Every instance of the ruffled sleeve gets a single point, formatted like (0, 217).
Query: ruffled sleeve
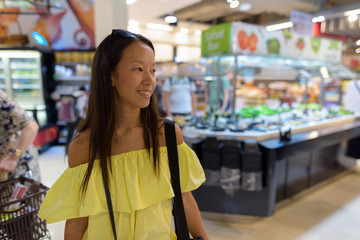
(191, 172)
(62, 200)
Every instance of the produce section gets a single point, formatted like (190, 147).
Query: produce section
(286, 130)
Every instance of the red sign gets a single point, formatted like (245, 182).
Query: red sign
(46, 136)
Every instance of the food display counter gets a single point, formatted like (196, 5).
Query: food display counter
(313, 153)
(286, 129)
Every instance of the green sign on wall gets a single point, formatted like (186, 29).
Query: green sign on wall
(216, 39)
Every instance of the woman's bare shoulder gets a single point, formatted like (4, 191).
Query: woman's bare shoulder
(79, 149)
(179, 136)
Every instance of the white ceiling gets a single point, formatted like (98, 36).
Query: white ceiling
(145, 11)
(191, 13)
(150, 10)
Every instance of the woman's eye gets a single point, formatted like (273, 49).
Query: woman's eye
(154, 70)
(138, 69)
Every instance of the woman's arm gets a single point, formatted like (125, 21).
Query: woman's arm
(193, 103)
(27, 136)
(225, 100)
(75, 228)
(193, 218)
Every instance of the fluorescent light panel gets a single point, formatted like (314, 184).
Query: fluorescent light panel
(352, 12)
(234, 4)
(279, 26)
(129, 2)
(184, 30)
(353, 18)
(161, 27)
(245, 7)
(170, 19)
(318, 19)
(197, 32)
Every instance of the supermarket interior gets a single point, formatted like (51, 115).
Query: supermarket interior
(275, 101)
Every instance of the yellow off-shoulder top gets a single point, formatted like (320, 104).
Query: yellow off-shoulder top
(141, 200)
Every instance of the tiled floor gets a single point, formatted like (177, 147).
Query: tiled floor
(331, 212)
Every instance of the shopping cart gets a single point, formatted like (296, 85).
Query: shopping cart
(22, 223)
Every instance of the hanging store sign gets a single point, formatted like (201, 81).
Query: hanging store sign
(216, 39)
(256, 40)
(302, 22)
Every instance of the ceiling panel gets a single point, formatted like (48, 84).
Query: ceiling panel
(143, 10)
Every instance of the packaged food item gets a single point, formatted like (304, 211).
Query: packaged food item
(18, 193)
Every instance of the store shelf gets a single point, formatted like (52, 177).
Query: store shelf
(26, 86)
(24, 76)
(22, 66)
(74, 78)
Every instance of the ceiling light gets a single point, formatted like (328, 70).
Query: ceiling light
(279, 26)
(352, 12)
(184, 30)
(353, 17)
(229, 1)
(133, 23)
(129, 2)
(245, 7)
(161, 27)
(358, 42)
(170, 19)
(357, 50)
(198, 32)
(318, 19)
(234, 4)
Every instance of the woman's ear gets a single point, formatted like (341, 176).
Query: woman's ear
(113, 79)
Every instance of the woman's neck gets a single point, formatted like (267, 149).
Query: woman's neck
(128, 119)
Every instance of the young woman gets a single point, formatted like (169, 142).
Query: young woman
(121, 144)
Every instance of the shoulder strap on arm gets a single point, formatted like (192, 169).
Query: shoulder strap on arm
(179, 214)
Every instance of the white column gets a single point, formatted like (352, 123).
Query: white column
(109, 14)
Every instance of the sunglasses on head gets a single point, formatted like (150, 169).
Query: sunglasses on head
(122, 33)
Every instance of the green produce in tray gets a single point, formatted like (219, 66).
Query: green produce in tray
(313, 106)
(248, 112)
(265, 110)
(341, 111)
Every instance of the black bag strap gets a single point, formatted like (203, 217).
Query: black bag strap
(181, 228)
(110, 208)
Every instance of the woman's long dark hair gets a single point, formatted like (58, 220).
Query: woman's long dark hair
(100, 118)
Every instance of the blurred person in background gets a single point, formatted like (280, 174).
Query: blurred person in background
(17, 133)
(351, 98)
(211, 93)
(179, 95)
(351, 101)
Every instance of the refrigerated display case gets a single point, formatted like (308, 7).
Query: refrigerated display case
(72, 72)
(26, 74)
